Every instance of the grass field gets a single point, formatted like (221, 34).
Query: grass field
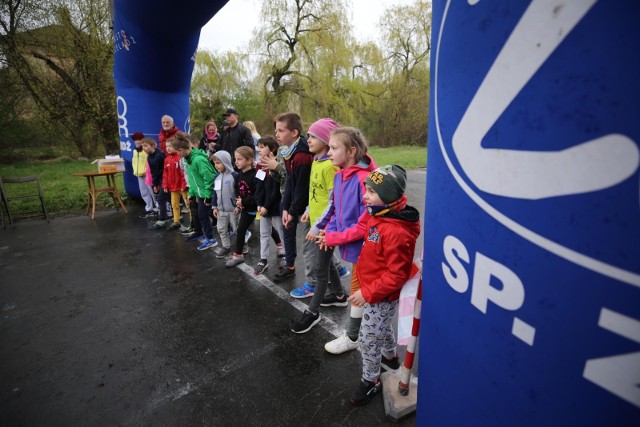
(67, 194)
(409, 157)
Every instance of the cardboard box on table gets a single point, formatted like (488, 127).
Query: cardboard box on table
(110, 164)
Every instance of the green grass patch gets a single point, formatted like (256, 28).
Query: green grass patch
(407, 156)
(63, 193)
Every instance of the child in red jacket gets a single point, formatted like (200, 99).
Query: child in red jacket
(384, 266)
(173, 182)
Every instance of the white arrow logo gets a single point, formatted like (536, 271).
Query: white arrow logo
(588, 166)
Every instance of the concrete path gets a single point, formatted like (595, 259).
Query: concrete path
(107, 323)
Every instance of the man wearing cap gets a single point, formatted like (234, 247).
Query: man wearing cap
(236, 134)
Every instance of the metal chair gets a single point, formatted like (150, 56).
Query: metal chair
(22, 194)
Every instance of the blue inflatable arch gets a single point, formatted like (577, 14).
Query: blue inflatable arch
(154, 53)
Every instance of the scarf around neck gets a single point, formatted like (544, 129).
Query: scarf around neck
(287, 152)
(380, 210)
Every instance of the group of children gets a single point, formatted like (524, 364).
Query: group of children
(324, 186)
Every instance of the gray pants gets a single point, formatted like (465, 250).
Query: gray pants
(377, 338)
(309, 253)
(147, 195)
(266, 223)
(327, 278)
(224, 219)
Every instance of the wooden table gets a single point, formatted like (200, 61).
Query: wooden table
(94, 191)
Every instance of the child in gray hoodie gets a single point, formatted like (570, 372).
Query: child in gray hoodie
(224, 200)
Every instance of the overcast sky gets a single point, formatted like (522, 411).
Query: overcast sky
(226, 30)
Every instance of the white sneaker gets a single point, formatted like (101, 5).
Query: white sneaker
(341, 345)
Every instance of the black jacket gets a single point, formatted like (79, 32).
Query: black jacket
(268, 195)
(246, 189)
(296, 191)
(205, 144)
(234, 137)
(156, 167)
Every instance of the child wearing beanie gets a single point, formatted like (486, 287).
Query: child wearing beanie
(384, 266)
(318, 213)
(319, 210)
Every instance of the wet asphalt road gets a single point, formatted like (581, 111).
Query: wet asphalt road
(107, 323)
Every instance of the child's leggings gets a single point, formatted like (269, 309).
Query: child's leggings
(376, 337)
(246, 219)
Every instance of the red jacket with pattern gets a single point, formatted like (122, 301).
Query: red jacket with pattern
(386, 260)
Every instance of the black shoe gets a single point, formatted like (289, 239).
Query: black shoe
(147, 214)
(334, 300)
(364, 392)
(188, 232)
(285, 273)
(260, 267)
(307, 321)
(390, 364)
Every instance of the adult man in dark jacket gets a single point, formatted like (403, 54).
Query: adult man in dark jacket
(236, 135)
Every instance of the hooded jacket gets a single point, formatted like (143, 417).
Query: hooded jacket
(296, 191)
(201, 174)
(348, 217)
(224, 196)
(173, 176)
(386, 260)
